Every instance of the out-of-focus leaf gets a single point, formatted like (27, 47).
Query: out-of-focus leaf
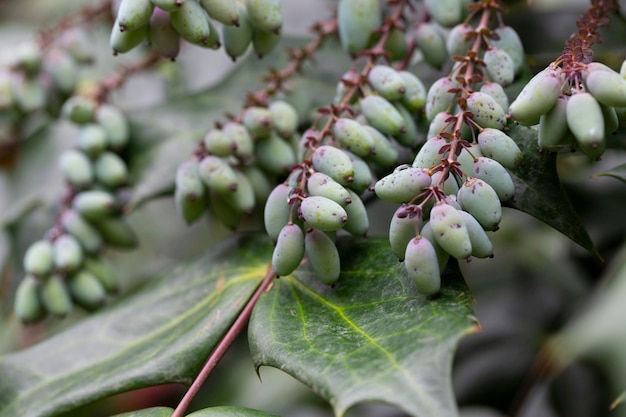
(539, 193)
(163, 334)
(230, 412)
(372, 337)
(618, 172)
(598, 335)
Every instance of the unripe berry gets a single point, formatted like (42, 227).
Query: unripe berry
(486, 111)
(28, 307)
(55, 296)
(499, 146)
(323, 214)
(289, 250)
(67, 253)
(358, 221)
(403, 185)
(353, 136)
(382, 115)
(450, 231)
(322, 255)
(421, 264)
(276, 212)
(334, 163)
(38, 259)
(480, 200)
(357, 19)
(387, 82)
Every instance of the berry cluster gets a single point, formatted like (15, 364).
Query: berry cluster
(575, 101)
(451, 194)
(164, 22)
(234, 167)
(39, 80)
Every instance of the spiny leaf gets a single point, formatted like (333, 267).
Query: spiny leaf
(539, 193)
(371, 337)
(161, 335)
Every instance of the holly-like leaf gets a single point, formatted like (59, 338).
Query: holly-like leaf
(228, 411)
(618, 172)
(370, 337)
(539, 193)
(161, 335)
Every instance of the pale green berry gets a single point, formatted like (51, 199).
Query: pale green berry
(27, 306)
(387, 82)
(449, 231)
(323, 256)
(277, 210)
(421, 264)
(323, 214)
(494, 174)
(55, 296)
(38, 259)
(402, 186)
(499, 146)
(86, 290)
(480, 200)
(289, 250)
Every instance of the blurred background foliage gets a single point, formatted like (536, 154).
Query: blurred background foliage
(536, 285)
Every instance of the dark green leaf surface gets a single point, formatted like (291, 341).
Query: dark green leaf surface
(371, 337)
(539, 193)
(618, 172)
(148, 412)
(230, 412)
(161, 335)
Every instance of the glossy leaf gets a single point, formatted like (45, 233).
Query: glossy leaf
(539, 193)
(372, 337)
(161, 335)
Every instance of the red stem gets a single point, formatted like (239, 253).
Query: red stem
(224, 344)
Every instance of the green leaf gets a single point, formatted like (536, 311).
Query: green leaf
(161, 335)
(598, 335)
(148, 412)
(370, 337)
(227, 411)
(539, 193)
(618, 172)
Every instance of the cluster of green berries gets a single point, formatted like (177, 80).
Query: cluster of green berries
(38, 81)
(573, 108)
(451, 195)
(235, 166)
(163, 23)
(66, 266)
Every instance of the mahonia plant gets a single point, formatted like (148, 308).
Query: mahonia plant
(443, 155)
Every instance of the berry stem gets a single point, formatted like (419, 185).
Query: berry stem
(84, 15)
(224, 344)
